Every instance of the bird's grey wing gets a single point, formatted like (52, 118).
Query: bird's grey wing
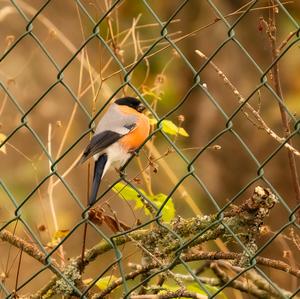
(116, 121)
(99, 142)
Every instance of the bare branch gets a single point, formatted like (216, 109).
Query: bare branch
(261, 123)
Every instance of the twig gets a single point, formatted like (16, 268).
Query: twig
(18, 271)
(286, 40)
(171, 294)
(247, 287)
(251, 212)
(119, 281)
(74, 110)
(156, 240)
(9, 250)
(263, 284)
(161, 280)
(244, 287)
(154, 258)
(2, 106)
(202, 255)
(262, 123)
(190, 257)
(190, 34)
(30, 249)
(295, 238)
(39, 294)
(193, 33)
(145, 176)
(85, 224)
(275, 264)
(50, 194)
(284, 117)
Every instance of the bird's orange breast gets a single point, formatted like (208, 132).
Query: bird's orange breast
(137, 136)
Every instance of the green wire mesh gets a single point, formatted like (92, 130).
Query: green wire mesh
(95, 35)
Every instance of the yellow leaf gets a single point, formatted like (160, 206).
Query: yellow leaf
(49, 294)
(3, 147)
(150, 93)
(87, 281)
(183, 132)
(152, 121)
(60, 234)
(56, 236)
(103, 282)
(170, 128)
(128, 193)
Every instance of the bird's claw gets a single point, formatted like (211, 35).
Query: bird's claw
(120, 171)
(134, 152)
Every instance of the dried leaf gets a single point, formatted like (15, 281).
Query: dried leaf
(87, 281)
(97, 216)
(60, 234)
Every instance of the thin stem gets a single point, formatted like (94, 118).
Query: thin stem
(145, 176)
(18, 270)
(261, 123)
(50, 195)
(284, 117)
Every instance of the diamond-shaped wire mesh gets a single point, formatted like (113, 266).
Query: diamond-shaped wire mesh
(224, 74)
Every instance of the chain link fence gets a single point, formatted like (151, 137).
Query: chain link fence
(201, 200)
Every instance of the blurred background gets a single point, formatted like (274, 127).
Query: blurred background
(57, 77)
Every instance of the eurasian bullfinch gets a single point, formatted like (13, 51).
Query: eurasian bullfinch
(122, 129)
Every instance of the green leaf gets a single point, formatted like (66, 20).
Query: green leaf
(170, 128)
(103, 282)
(128, 193)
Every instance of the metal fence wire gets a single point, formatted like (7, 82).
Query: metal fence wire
(107, 46)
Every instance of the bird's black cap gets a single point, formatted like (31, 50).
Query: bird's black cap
(131, 102)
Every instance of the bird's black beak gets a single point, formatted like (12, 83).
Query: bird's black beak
(141, 107)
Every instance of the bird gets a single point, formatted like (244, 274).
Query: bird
(121, 130)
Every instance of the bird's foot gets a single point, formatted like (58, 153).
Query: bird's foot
(120, 171)
(134, 152)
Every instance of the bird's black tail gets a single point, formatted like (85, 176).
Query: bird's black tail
(98, 172)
